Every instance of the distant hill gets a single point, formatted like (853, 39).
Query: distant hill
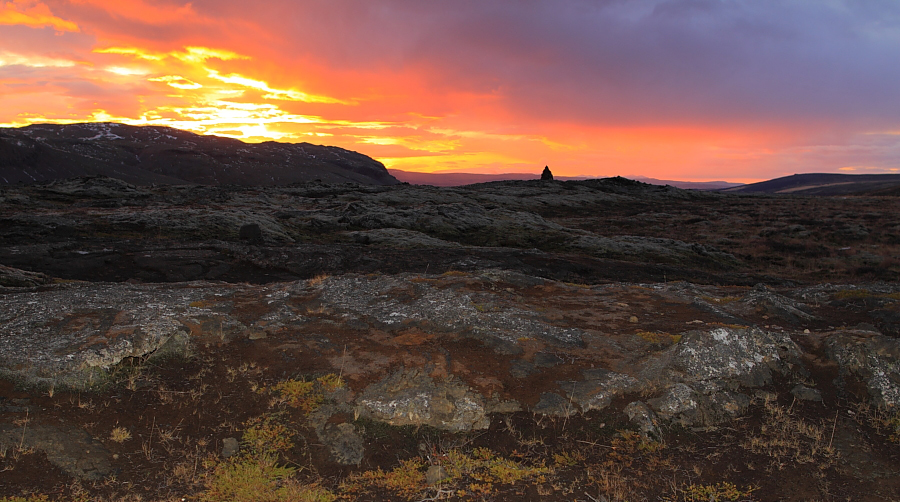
(460, 179)
(826, 184)
(688, 185)
(144, 155)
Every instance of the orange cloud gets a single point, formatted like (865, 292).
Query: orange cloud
(33, 14)
(484, 87)
(145, 12)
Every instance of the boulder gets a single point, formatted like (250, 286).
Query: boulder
(873, 358)
(744, 356)
(414, 398)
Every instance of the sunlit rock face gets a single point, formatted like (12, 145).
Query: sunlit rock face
(162, 155)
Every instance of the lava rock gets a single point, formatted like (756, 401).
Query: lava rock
(251, 233)
(414, 398)
(642, 417)
(804, 393)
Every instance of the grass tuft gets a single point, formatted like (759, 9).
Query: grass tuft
(317, 280)
(119, 435)
(719, 492)
(478, 473)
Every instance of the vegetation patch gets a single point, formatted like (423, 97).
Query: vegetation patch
(305, 395)
(719, 492)
(883, 419)
(255, 474)
(787, 439)
(659, 338)
(480, 473)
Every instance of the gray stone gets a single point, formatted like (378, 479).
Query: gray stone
(70, 448)
(519, 368)
(804, 393)
(344, 443)
(746, 356)
(864, 326)
(230, 447)
(554, 405)
(763, 300)
(725, 405)
(442, 309)
(599, 388)
(414, 398)
(15, 278)
(642, 417)
(680, 403)
(71, 334)
(871, 357)
(435, 474)
(399, 238)
(547, 360)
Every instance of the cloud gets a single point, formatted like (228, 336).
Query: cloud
(32, 14)
(683, 88)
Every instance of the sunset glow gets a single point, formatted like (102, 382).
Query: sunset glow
(675, 89)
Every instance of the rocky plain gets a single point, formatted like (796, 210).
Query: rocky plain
(523, 340)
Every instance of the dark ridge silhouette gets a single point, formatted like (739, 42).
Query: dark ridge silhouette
(826, 184)
(162, 155)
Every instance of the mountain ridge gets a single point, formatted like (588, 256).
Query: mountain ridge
(449, 179)
(145, 155)
(825, 184)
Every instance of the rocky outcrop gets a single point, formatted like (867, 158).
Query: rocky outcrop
(71, 334)
(873, 358)
(15, 278)
(746, 356)
(449, 350)
(71, 449)
(412, 398)
(179, 233)
(600, 387)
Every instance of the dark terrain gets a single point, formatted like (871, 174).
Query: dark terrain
(162, 155)
(826, 184)
(520, 340)
(450, 179)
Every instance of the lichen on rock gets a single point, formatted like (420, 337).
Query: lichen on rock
(747, 356)
(873, 358)
(414, 398)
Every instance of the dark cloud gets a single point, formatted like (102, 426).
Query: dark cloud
(622, 61)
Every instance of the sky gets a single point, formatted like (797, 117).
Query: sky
(736, 90)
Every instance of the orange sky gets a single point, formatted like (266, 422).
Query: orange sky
(674, 89)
